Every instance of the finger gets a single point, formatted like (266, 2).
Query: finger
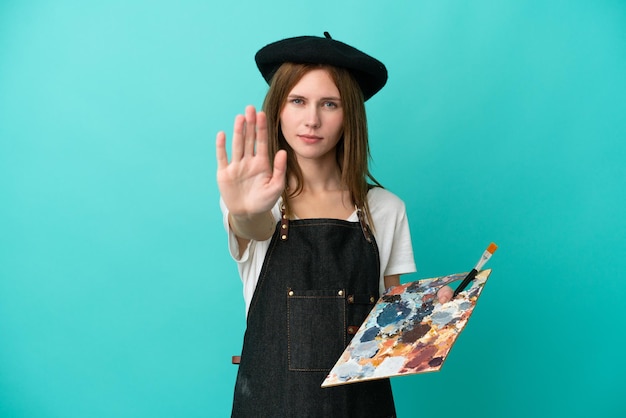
(220, 151)
(444, 294)
(250, 131)
(238, 138)
(280, 169)
(261, 135)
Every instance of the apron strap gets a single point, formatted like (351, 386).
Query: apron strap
(284, 224)
(364, 227)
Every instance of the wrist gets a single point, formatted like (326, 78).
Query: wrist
(258, 227)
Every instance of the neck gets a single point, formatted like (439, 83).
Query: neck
(319, 176)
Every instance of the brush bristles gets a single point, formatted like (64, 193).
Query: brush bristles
(492, 248)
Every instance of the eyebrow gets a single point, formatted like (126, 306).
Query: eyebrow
(298, 96)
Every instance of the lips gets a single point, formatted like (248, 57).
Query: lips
(310, 139)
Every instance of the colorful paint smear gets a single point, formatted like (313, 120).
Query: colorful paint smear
(408, 331)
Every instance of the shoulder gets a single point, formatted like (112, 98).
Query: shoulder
(385, 202)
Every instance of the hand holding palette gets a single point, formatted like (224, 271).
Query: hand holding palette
(408, 331)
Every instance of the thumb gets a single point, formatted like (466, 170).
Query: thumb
(280, 169)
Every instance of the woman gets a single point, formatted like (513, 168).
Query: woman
(315, 236)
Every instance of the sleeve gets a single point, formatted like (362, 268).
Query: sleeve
(238, 254)
(401, 258)
(391, 229)
(250, 259)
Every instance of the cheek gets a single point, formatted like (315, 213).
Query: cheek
(285, 119)
(337, 123)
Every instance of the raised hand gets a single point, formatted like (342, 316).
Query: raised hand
(248, 184)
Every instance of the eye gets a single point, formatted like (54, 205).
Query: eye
(330, 105)
(297, 101)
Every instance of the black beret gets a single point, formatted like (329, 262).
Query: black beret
(370, 74)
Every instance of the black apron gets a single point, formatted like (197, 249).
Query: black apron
(319, 281)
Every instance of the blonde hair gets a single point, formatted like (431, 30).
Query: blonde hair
(353, 152)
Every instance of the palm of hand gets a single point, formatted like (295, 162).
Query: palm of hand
(247, 183)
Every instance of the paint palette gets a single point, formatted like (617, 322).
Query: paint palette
(407, 332)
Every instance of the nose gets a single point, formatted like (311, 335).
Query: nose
(312, 117)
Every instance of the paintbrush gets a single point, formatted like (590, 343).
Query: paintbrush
(472, 274)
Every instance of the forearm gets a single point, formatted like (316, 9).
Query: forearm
(393, 280)
(258, 227)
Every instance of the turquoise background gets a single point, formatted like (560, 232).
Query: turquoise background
(502, 121)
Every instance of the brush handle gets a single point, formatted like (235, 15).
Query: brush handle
(470, 276)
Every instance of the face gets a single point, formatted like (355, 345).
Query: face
(312, 118)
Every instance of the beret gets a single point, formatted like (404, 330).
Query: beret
(369, 73)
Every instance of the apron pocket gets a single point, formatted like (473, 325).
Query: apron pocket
(316, 329)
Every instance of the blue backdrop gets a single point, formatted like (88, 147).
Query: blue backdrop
(502, 121)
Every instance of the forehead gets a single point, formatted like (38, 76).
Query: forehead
(317, 82)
